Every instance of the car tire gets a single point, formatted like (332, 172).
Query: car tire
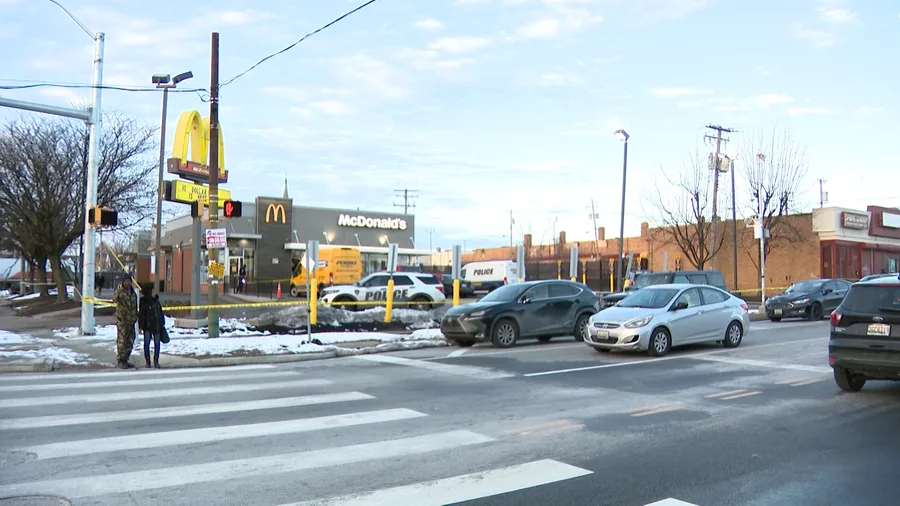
(775, 318)
(505, 333)
(419, 303)
(848, 381)
(815, 312)
(660, 342)
(464, 343)
(342, 303)
(581, 324)
(734, 334)
(545, 339)
(294, 291)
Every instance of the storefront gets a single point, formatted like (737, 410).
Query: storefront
(857, 243)
(272, 234)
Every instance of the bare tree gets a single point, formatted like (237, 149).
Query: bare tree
(775, 170)
(681, 209)
(43, 163)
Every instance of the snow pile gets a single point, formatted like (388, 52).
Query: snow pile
(10, 338)
(228, 327)
(4, 294)
(297, 317)
(61, 355)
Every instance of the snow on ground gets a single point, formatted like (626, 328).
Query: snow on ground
(296, 317)
(11, 338)
(228, 327)
(4, 294)
(52, 292)
(61, 355)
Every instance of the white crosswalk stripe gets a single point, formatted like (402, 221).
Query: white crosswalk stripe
(183, 436)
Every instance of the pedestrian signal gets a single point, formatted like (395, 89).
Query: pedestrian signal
(196, 209)
(231, 209)
(103, 217)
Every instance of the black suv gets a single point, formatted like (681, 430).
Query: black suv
(711, 278)
(865, 334)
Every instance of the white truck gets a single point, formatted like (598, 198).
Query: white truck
(491, 275)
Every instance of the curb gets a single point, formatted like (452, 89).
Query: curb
(42, 366)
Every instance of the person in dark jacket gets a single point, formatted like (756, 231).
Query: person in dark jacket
(151, 321)
(126, 302)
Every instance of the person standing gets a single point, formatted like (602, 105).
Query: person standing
(152, 322)
(126, 316)
(242, 278)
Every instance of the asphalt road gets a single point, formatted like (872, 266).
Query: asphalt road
(538, 424)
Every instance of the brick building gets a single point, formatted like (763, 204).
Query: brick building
(829, 242)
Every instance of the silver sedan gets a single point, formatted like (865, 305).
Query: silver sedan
(656, 318)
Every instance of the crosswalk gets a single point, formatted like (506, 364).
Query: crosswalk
(241, 435)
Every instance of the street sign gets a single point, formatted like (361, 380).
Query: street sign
(312, 257)
(393, 257)
(216, 238)
(216, 270)
(186, 193)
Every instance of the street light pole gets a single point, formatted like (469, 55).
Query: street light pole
(90, 201)
(624, 136)
(162, 82)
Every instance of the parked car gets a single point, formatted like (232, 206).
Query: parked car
(811, 299)
(541, 309)
(656, 318)
(864, 343)
(882, 275)
(416, 290)
(465, 286)
(712, 278)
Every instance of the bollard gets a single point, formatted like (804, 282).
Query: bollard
(313, 296)
(390, 300)
(455, 292)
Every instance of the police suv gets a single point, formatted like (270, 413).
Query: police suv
(416, 290)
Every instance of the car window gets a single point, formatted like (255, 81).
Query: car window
(716, 279)
(402, 281)
(682, 279)
(651, 279)
(561, 290)
(538, 292)
(829, 285)
(691, 296)
(842, 285)
(698, 279)
(650, 298)
(376, 281)
(712, 296)
(429, 280)
(872, 299)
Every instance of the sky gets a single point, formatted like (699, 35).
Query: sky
(492, 107)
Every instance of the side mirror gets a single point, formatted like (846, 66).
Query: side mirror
(679, 306)
(826, 291)
(525, 299)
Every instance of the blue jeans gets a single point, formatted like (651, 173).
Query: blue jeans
(147, 337)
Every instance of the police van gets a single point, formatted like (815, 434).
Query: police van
(491, 275)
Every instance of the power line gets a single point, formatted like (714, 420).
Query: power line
(310, 34)
(198, 91)
(407, 196)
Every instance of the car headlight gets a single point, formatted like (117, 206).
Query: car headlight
(804, 300)
(476, 314)
(640, 322)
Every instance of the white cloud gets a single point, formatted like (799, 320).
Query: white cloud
(679, 92)
(240, 17)
(763, 72)
(290, 93)
(731, 104)
(765, 101)
(71, 96)
(301, 111)
(818, 38)
(660, 10)
(429, 24)
(867, 109)
(46, 63)
(559, 79)
(370, 75)
(333, 107)
(458, 45)
(838, 15)
(806, 111)
(540, 29)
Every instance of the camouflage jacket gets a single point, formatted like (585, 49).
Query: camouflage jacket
(126, 305)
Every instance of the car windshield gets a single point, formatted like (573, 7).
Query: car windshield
(650, 298)
(364, 280)
(872, 299)
(645, 280)
(506, 293)
(810, 286)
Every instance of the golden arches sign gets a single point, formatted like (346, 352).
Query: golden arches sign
(273, 211)
(193, 130)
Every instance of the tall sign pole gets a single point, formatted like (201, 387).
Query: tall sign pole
(214, 174)
(90, 248)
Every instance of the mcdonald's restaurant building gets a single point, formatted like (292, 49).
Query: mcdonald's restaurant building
(272, 234)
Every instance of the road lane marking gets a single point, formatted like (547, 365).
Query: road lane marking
(468, 487)
(529, 349)
(176, 411)
(788, 381)
(739, 396)
(458, 353)
(671, 501)
(160, 394)
(807, 381)
(216, 434)
(672, 357)
(766, 364)
(654, 410)
(144, 381)
(459, 370)
(545, 429)
(723, 394)
(230, 470)
(132, 374)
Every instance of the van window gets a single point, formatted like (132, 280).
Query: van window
(429, 280)
(716, 279)
(402, 281)
(682, 279)
(699, 279)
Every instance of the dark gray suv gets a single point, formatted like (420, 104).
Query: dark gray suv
(865, 334)
(712, 278)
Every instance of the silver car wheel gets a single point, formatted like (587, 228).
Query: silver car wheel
(506, 334)
(660, 342)
(583, 330)
(734, 334)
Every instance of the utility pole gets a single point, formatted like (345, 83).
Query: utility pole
(596, 229)
(430, 237)
(715, 168)
(734, 255)
(406, 195)
(823, 195)
(512, 222)
(213, 177)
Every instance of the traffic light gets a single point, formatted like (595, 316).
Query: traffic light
(103, 217)
(197, 209)
(231, 209)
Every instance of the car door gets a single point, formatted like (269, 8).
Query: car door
(840, 291)
(563, 305)
(537, 311)
(716, 313)
(402, 287)
(376, 291)
(685, 324)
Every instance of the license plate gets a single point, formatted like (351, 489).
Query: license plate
(879, 329)
(602, 334)
(777, 312)
(476, 284)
